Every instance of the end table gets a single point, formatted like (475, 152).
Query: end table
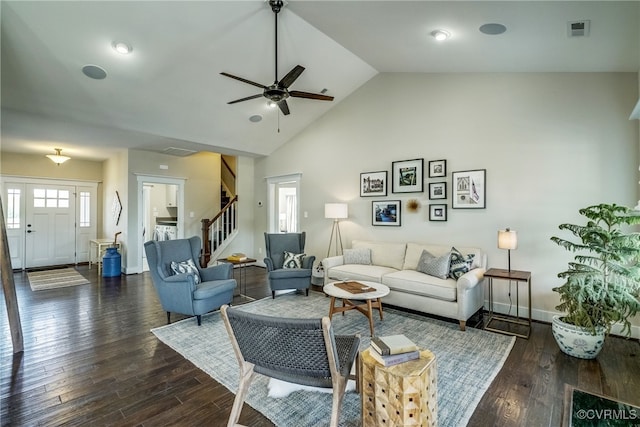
(399, 395)
(519, 277)
(242, 279)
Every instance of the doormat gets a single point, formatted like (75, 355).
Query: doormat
(53, 279)
(584, 409)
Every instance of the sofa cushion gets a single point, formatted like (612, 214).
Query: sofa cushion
(372, 273)
(434, 266)
(292, 260)
(384, 253)
(460, 263)
(414, 252)
(290, 273)
(357, 256)
(414, 282)
(187, 266)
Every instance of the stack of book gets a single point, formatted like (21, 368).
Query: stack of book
(393, 349)
(237, 257)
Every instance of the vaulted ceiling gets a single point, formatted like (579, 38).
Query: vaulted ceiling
(168, 92)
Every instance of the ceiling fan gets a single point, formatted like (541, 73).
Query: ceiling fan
(279, 91)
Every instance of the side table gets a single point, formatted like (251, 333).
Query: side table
(399, 395)
(519, 277)
(100, 246)
(242, 279)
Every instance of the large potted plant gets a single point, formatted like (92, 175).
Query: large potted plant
(602, 284)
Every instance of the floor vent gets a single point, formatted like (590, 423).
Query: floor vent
(180, 152)
(578, 28)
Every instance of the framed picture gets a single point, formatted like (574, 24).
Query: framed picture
(385, 212)
(469, 189)
(408, 176)
(437, 212)
(373, 184)
(437, 168)
(437, 190)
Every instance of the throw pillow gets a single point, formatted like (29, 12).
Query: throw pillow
(292, 260)
(434, 266)
(187, 266)
(357, 256)
(460, 264)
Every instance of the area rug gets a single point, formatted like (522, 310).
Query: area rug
(52, 279)
(467, 362)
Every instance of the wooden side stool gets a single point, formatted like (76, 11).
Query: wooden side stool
(399, 395)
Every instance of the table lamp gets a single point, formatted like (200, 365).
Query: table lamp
(508, 239)
(336, 211)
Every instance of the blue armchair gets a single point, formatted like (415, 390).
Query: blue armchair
(179, 293)
(287, 278)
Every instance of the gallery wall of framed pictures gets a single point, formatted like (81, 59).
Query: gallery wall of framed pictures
(468, 189)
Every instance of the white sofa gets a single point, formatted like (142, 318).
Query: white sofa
(394, 265)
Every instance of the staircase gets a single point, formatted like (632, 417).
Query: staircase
(219, 231)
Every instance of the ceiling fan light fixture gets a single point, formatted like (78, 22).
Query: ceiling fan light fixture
(441, 35)
(121, 47)
(278, 92)
(58, 158)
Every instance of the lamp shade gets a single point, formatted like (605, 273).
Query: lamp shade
(336, 210)
(507, 239)
(58, 158)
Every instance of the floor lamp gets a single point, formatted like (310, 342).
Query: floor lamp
(336, 211)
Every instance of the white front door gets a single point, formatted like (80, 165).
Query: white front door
(50, 225)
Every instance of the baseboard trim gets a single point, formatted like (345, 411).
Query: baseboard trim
(547, 317)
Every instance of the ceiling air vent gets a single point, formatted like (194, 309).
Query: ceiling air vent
(578, 28)
(180, 152)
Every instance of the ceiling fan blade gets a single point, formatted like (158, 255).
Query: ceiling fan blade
(284, 107)
(245, 99)
(309, 95)
(244, 80)
(291, 77)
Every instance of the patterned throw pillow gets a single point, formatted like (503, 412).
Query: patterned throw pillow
(460, 264)
(187, 266)
(357, 256)
(292, 260)
(434, 266)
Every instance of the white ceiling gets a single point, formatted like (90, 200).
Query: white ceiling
(169, 91)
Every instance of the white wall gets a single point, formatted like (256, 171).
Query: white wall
(115, 179)
(551, 143)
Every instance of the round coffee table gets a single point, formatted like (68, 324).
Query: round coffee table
(371, 299)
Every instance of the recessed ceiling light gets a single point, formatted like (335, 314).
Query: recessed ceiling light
(441, 34)
(492, 29)
(122, 47)
(255, 118)
(94, 72)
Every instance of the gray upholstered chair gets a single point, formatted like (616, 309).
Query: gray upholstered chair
(300, 351)
(286, 278)
(179, 293)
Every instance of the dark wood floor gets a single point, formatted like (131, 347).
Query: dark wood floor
(90, 359)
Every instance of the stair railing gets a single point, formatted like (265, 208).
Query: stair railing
(218, 229)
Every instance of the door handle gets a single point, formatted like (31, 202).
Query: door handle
(30, 231)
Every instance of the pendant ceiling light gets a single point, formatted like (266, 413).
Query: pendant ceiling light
(58, 158)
